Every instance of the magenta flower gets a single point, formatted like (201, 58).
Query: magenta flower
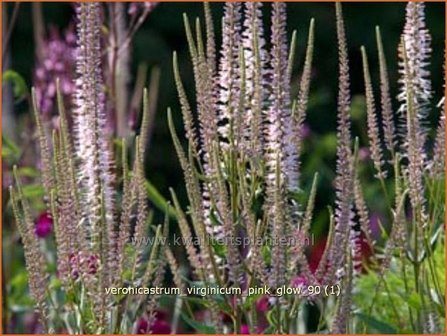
(92, 264)
(262, 305)
(44, 225)
(74, 265)
(245, 329)
(160, 327)
(88, 263)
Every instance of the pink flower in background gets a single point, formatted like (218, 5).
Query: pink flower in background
(305, 131)
(364, 154)
(44, 225)
(57, 60)
(136, 8)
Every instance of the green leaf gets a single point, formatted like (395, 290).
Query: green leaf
(201, 328)
(219, 248)
(28, 172)
(20, 280)
(158, 200)
(377, 325)
(414, 301)
(33, 190)
(20, 89)
(55, 284)
(9, 148)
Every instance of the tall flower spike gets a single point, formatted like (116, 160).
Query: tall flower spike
(280, 98)
(438, 160)
(207, 116)
(35, 261)
(373, 127)
(255, 59)
(92, 145)
(273, 121)
(344, 179)
(47, 169)
(385, 99)
(210, 44)
(414, 147)
(417, 44)
(279, 145)
(229, 75)
(303, 95)
(439, 147)
(343, 309)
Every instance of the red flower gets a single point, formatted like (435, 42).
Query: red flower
(364, 253)
(44, 225)
(262, 305)
(316, 254)
(142, 326)
(159, 326)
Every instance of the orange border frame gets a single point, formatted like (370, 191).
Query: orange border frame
(1, 145)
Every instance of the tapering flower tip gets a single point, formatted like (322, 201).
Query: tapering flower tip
(373, 127)
(344, 169)
(417, 40)
(43, 225)
(344, 97)
(385, 98)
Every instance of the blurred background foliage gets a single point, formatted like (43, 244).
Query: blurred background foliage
(163, 32)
